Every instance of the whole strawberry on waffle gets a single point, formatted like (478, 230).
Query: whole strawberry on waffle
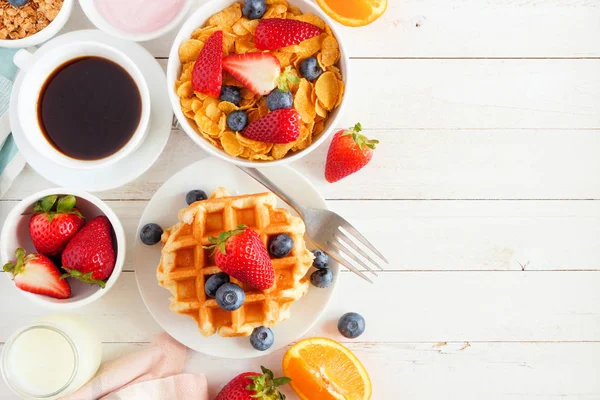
(192, 249)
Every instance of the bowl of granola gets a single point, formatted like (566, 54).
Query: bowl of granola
(25, 23)
(258, 82)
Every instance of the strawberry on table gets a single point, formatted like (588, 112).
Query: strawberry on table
(349, 152)
(55, 221)
(90, 256)
(275, 33)
(37, 274)
(279, 126)
(207, 75)
(254, 386)
(241, 254)
(258, 72)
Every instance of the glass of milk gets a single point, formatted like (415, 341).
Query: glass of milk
(51, 357)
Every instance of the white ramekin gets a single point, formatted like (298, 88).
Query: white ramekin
(198, 19)
(45, 34)
(101, 23)
(15, 234)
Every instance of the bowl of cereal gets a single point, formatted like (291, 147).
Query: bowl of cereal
(31, 22)
(252, 82)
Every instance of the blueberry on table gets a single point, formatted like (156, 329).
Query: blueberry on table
(281, 245)
(310, 69)
(237, 120)
(351, 325)
(277, 100)
(321, 278)
(214, 282)
(230, 296)
(262, 338)
(18, 3)
(254, 9)
(195, 195)
(321, 259)
(150, 234)
(231, 94)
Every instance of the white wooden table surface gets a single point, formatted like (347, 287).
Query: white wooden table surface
(483, 194)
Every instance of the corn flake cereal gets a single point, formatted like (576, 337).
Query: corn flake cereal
(313, 100)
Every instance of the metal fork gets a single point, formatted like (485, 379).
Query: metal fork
(330, 232)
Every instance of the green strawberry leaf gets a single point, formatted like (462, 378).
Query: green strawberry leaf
(265, 386)
(361, 140)
(85, 278)
(219, 243)
(15, 269)
(65, 204)
(287, 76)
(46, 204)
(284, 380)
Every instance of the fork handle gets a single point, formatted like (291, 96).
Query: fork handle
(269, 184)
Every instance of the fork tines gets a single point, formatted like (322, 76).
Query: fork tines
(344, 241)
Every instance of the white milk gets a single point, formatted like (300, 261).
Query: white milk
(42, 361)
(52, 357)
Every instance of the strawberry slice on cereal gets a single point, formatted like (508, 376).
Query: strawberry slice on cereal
(258, 72)
(275, 33)
(279, 126)
(207, 75)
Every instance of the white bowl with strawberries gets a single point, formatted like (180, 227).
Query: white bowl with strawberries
(263, 86)
(62, 248)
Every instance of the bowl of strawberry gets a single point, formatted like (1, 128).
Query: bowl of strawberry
(62, 248)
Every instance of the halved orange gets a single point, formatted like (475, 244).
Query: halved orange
(323, 369)
(354, 12)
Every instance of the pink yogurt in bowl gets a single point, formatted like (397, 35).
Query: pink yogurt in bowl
(137, 20)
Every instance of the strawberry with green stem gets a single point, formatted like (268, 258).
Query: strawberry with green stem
(349, 152)
(241, 254)
(254, 386)
(54, 223)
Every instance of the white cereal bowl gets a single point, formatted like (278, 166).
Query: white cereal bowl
(198, 19)
(45, 34)
(96, 18)
(15, 234)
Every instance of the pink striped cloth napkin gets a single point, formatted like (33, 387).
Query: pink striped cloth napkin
(152, 373)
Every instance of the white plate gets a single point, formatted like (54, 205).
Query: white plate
(132, 166)
(207, 175)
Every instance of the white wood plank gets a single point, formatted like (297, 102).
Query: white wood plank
(432, 307)
(468, 28)
(414, 164)
(457, 235)
(433, 370)
(478, 94)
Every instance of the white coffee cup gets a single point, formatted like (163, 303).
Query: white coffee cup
(36, 71)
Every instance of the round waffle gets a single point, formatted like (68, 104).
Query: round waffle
(185, 264)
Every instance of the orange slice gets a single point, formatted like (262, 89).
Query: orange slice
(354, 12)
(322, 369)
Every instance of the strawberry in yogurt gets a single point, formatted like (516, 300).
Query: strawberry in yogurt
(139, 16)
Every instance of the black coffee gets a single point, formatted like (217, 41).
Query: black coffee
(89, 108)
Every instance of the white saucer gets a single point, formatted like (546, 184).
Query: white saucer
(207, 175)
(132, 166)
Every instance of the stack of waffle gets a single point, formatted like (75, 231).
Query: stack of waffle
(185, 264)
